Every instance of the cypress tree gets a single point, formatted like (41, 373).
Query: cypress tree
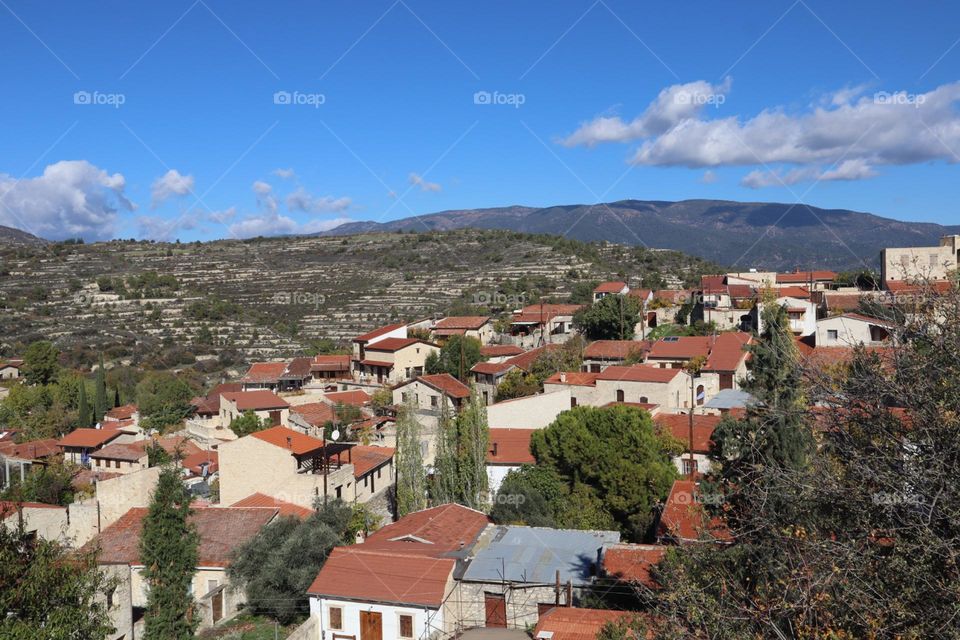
(116, 397)
(443, 488)
(84, 414)
(168, 552)
(100, 399)
(411, 476)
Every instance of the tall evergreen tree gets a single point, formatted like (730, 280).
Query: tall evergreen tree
(116, 397)
(168, 552)
(460, 473)
(100, 397)
(84, 413)
(411, 475)
(445, 482)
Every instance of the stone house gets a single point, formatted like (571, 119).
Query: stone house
(850, 330)
(265, 404)
(393, 360)
(477, 327)
(428, 393)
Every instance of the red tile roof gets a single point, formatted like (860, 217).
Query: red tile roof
(378, 332)
(88, 438)
(610, 287)
(315, 414)
(678, 426)
(262, 501)
(793, 292)
(258, 400)
(366, 458)
(447, 384)
(193, 461)
(221, 530)
(32, 450)
(632, 562)
(572, 623)
(638, 373)
(462, 322)
(728, 351)
(641, 294)
(377, 363)
(680, 348)
(264, 372)
(510, 447)
(491, 368)
(577, 378)
(116, 451)
(124, 412)
(684, 517)
(741, 291)
(615, 349)
(330, 363)
(360, 573)
(389, 345)
(294, 441)
(356, 397)
(433, 532)
(525, 360)
(674, 296)
(902, 286)
(500, 350)
(801, 277)
(210, 404)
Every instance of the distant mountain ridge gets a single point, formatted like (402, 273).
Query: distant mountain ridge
(15, 237)
(740, 235)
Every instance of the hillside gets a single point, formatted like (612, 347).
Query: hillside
(167, 304)
(739, 234)
(10, 237)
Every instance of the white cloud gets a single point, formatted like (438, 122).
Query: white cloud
(302, 200)
(265, 198)
(170, 184)
(164, 228)
(72, 198)
(224, 215)
(853, 131)
(278, 225)
(709, 177)
(418, 180)
(285, 174)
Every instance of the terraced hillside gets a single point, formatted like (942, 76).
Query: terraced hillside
(241, 300)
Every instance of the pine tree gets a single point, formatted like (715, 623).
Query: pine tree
(100, 399)
(84, 413)
(168, 552)
(411, 475)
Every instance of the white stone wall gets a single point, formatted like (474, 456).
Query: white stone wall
(531, 412)
(426, 622)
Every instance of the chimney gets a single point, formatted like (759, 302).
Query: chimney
(494, 452)
(289, 442)
(563, 376)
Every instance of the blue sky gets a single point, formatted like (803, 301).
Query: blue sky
(758, 101)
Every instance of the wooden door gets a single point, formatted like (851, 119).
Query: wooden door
(217, 606)
(496, 608)
(371, 625)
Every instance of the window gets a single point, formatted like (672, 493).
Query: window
(336, 617)
(832, 334)
(406, 626)
(644, 400)
(689, 466)
(573, 402)
(434, 400)
(110, 598)
(619, 395)
(116, 463)
(339, 492)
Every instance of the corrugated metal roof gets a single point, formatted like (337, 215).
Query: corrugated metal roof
(535, 554)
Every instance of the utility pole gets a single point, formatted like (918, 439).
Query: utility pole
(693, 368)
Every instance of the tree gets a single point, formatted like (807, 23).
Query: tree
(49, 592)
(163, 400)
(458, 354)
(50, 484)
(411, 476)
(460, 471)
(168, 552)
(277, 566)
(565, 357)
(612, 456)
(517, 384)
(247, 423)
(613, 317)
(41, 363)
(84, 413)
(116, 397)
(100, 390)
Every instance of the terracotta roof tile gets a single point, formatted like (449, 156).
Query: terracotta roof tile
(500, 350)
(367, 458)
(462, 322)
(315, 414)
(389, 345)
(356, 397)
(684, 517)
(264, 372)
(117, 451)
(727, 351)
(88, 438)
(193, 462)
(632, 562)
(294, 441)
(447, 384)
(258, 400)
(577, 378)
(571, 623)
(674, 296)
(610, 287)
(262, 501)
(678, 426)
(366, 337)
(510, 447)
(802, 277)
(124, 412)
(638, 373)
(680, 348)
(433, 532)
(526, 359)
(491, 368)
(330, 363)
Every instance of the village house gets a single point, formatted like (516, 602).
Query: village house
(393, 360)
(507, 450)
(575, 623)
(221, 531)
(125, 414)
(530, 412)
(726, 355)
(477, 327)
(10, 369)
(397, 583)
(920, 264)
(266, 405)
(539, 324)
(429, 393)
(80, 443)
(684, 519)
(851, 329)
(261, 501)
(812, 280)
(310, 417)
(517, 572)
(724, 304)
(278, 376)
(361, 342)
(631, 563)
(120, 458)
(666, 304)
(602, 353)
(499, 352)
(330, 368)
(297, 468)
(18, 460)
(639, 384)
(487, 376)
(677, 425)
(801, 313)
(605, 289)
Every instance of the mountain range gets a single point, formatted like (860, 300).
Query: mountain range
(739, 235)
